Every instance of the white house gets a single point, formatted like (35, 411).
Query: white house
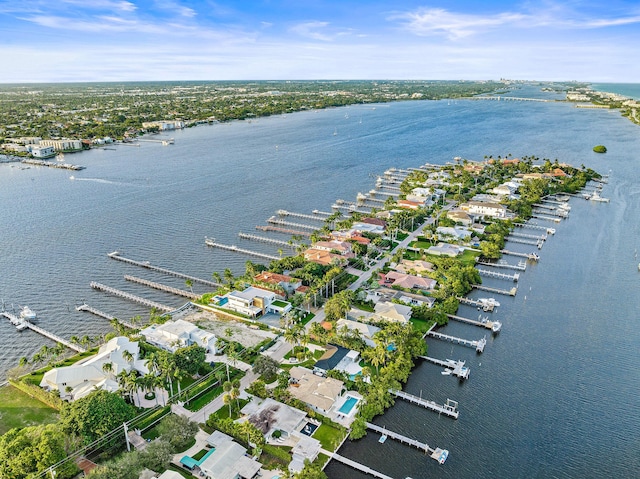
(79, 379)
(445, 249)
(41, 151)
(320, 393)
(252, 301)
(494, 210)
(173, 335)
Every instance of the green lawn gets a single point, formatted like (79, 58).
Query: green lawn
(17, 409)
(329, 436)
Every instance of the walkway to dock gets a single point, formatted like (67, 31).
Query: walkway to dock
(283, 230)
(264, 239)
(146, 264)
(522, 241)
(483, 323)
(456, 368)
(323, 213)
(108, 317)
(359, 467)
(503, 264)
(547, 218)
(162, 287)
(211, 242)
(479, 344)
(423, 446)
(299, 215)
(448, 409)
(507, 292)
(550, 231)
(494, 274)
(131, 297)
(523, 235)
(277, 221)
(531, 256)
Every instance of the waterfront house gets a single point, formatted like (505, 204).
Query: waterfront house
(375, 221)
(269, 416)
(410, 205)
(363, 227)
(173, 335)
(460, 216)
(493, 210)
(288, 283)
(391, 312)
(225, 460)
(319, 393)
(455, 232)
(340, 247)
(408, 281)
(254, 302)
(445, 249)
(324, 257)
(79, 379)
(363, 330)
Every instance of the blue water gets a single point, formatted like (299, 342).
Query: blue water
(630, 90)
(348, 405)
(553, 395)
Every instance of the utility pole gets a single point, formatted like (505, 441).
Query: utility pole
(126, 436)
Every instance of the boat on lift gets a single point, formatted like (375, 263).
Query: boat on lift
(27, 314)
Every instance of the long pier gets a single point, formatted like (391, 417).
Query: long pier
(299, 215)
(131, 297)
(455, 368)
(548, 218)
(494, 326)
(486, 307)
(507, 292)
(524, 235)
(523, 241)
(146, 264)
(161, 287)
(423, 446)
(323, 213)
(283, 230)
(448, 409)
(108, 317)
(550, 231)
(494, 274)
(359, 467)
(52, 164)
(44, 332)
(531, 256)
(235, 249)
(264, 239)
(561, 213)
(276, 221)
(479, 344)
(503, 264)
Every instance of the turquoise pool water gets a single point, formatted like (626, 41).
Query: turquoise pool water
(348, 405)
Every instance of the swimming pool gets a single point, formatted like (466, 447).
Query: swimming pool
(348, 405)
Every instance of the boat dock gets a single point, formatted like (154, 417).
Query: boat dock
(455, 368)
(323, 213)
(131, 297)
(146, 264)
(283, 230)
(561, 213)
(161, 287)
(360, 467)
(423, 446)
(479, 344)
(513, 239)
(211, 242)
(507, 292)
(494, 274)
(277, 221)
(53, 164)
(523, 235)
(522, 266)
(19, 321)
(299, 215)
(548, 218)
(448, 409)
(108, 317)
(494, 326)
(264, 239)
(531, 256)
(486, 307)
(550, 231)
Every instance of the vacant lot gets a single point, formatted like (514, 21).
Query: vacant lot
(19, 410)
(241, 332)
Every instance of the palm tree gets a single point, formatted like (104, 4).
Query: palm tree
(85, 341)
(227, 387)
(74, 339)
(107, 368)
(127, 356)
(216, 277)
(23, 361)
(228, 276)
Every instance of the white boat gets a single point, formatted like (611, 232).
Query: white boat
(489, 302)
(443, 456)
(21, 326)
(28, 314)
(446, 372)
(496, 326)
(596, 197)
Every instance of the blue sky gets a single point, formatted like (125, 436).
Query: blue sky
(118, 40)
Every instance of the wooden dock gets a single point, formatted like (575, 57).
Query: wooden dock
(299, 215)
(529, 256)
(542, 237)
(131, 297)
(514, 239)
(15, 320)
(359, 467)
(550, 231)
(478, 345)
(283, 230)
(507, 292)
(455, 368)
(423, 446)
(494, 326)
(450, 408)
(264, 239)
(487, 308)
(494, 274)
(211, 242)
(146, 264)
(162, 287)
(547, 218)
(277, 221)
(323, 213)
(503, 264)
(108, 317)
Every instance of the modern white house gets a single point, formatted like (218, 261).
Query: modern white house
(254, 302)
(78, 380)
(173, 335)
(494, 210)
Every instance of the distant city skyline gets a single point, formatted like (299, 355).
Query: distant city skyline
(121, 40)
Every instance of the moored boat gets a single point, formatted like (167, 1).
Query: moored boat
(27, 314)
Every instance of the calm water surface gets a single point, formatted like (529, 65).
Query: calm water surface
(554, 395)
